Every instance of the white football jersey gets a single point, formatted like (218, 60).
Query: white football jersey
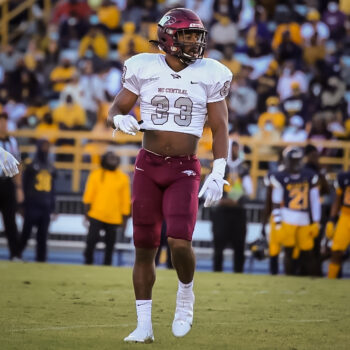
(175, 101)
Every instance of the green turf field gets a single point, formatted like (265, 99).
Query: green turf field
(68, 307)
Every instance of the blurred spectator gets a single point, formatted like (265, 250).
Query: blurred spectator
(107, 204)
(287, 49)
(229, 216)
(15, 110)
(314, 51)
(332, 98)
(109, 15)
(272, 115)
(47, 126)
(266, 85)
(224, 31)
(335, 20)
(229, 61)
(10, 189)
(92, 92)
(297, 103)
(70, 115)
(345, 71)
(94, 43)
(111, 76)
(258, 35)
(290, 27)
(66, 8)
(200, 7)
(319, 132)
(139, 43)
(289, 75)
(314, 26)
(62, 74)
(9, 58)
(242, 102)
(39, 199)
(295, 131)
(38, 108)
(33, 55)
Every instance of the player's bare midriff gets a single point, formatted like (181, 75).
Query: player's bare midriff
(169, 143)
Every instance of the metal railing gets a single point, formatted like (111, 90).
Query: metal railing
(78, 149)
(7, 14)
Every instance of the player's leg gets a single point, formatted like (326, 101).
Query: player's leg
(41, 236)
(180, 207)
(340, 243)
(305, 242)
(147, 222)
(287, 236)
(92, 237)
(110, 237)
(274, 248)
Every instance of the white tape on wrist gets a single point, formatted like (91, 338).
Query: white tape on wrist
(219, 166)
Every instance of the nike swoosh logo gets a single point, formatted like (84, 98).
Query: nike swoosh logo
(137, 168)
(194, 82)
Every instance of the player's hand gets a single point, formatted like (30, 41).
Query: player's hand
(315, 229)
(126, 123)
(214, 184)
(8, 163)
(330, 230)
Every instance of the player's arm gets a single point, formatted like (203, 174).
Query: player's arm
(217, 120)
(330, 226)
(118, 117)
(276, 198)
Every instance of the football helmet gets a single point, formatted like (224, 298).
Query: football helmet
(259, 248)
(173, 28)
(292, 157)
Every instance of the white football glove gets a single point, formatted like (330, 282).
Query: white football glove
(8, 163)
(126, 123)
(214, 184)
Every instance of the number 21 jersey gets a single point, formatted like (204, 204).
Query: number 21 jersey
(175, 101)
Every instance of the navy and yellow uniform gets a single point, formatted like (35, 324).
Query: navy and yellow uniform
(39, 203)
(341, 239)
(297, 229)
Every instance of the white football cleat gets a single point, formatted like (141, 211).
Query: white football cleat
(183, 315)
(140, 335)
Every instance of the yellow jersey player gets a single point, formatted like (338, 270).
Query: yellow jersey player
(296, 210)
(339, 234)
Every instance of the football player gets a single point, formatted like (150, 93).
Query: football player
(339, 234)
(178, 92)
(298, 219)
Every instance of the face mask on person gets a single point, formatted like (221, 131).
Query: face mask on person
(287, 71)
(332, 7)
(272, 109)
(269, 127)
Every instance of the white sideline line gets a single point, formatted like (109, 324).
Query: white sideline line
(62, 328)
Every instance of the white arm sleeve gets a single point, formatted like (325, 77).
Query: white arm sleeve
(130, 79)
(277, 195)
(221, 87)
(315, 204)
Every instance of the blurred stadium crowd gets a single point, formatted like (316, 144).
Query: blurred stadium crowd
(290, 61)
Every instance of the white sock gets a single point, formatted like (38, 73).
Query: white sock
(144, 313)
(185, 289)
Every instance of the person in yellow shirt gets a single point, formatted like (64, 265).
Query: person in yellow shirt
(339, 233)
(70, 115)
(109, 14)
(47, 126)
(294, 30)
(139, 43)
(107, 204)
(272, 115)
(94, 41)
(62, 74)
